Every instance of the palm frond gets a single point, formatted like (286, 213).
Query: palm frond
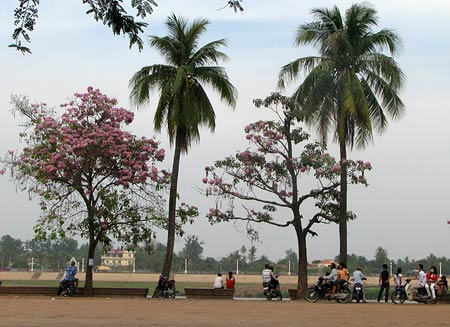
(147, 79)
(218, 79)
(209, 54)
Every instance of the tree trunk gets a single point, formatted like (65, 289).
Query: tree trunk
(88, 283)
(343, 205)
(302, 281)
(172, 207)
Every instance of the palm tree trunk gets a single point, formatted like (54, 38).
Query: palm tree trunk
(343, 205)
(172, 206)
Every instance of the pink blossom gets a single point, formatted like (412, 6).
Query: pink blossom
(205, 180)
(336, 168)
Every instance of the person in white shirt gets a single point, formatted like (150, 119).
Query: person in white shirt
(267, 274)
(398, 278)
(358, 278)
(218, 281)
(422, 278)
(332, 277)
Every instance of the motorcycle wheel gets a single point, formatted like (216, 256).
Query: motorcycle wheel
(398, 297)
(159, 293)
(312, 296)
(347, 298)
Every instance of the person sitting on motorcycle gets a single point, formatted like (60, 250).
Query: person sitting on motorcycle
(358, 278)
(432, 279)
(71, 271)
(163, 282)
(274, 282)
(332, 277)
(267, 274)
(398, 278)
(422, 278)
(343, 275)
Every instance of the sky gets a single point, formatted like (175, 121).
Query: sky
(404, 209)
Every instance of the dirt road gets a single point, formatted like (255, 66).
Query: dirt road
(43, 311)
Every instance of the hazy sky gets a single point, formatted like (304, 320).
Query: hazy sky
(406, 207)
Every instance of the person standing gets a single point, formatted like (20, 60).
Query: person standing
(383, 282)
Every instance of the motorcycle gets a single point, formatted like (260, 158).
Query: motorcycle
(67, 288)
(343, 294)
(166, 288)
(318, 291)
(407, 292)
(321, 290)
(271, 292)
(358, 292)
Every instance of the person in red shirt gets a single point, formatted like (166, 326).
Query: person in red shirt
(230, 280)
(432, 279)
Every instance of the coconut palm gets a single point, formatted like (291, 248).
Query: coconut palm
(351, 87)
(183, 104)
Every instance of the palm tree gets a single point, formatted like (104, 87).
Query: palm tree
(350, 87)
(183, 103)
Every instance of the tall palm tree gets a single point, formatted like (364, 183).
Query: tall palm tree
(183, 103)
(350, 87)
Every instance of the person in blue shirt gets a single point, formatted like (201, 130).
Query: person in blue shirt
(71, 271)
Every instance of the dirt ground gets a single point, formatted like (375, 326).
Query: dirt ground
(43, 311)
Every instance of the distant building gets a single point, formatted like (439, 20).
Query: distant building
(325, 263)
(117, 260)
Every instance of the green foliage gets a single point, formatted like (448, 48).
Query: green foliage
(183, 105)
(110, 12)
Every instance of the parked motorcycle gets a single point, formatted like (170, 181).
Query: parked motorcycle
(67, 288)
(166, 288)
(271, 292)
(407, 292)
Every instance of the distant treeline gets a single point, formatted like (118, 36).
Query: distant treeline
(16, 254)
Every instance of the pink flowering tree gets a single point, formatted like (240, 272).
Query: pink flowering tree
(270, 176)
(92, 177)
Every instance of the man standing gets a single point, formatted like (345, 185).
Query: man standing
(383, 282)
